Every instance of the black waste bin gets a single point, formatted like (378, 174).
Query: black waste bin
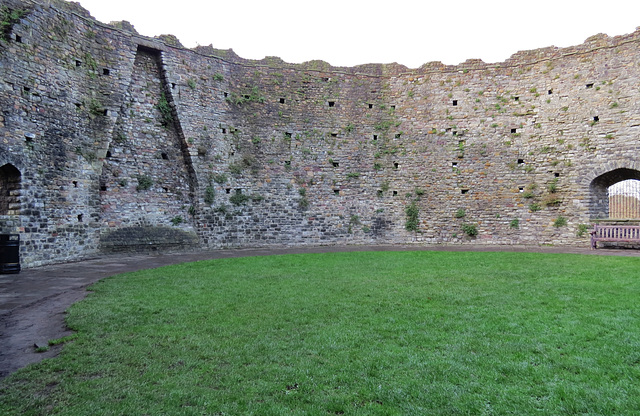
(9, 253)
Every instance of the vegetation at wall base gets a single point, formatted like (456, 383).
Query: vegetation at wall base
(386, 333)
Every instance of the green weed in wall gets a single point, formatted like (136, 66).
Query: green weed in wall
(412, 211)
(144, 183)
(209, 195)
(165, 110)
(8, 18)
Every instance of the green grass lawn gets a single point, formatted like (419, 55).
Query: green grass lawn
(391, 333)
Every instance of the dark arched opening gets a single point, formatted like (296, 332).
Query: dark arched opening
(9, 190)
(616, 195)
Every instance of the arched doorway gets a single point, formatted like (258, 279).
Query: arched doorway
(9, 190)
(624, 200)
(616, 195)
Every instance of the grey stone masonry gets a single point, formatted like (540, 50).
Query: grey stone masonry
(111, 141)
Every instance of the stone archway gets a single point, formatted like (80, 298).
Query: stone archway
(10, 179)
(599, 190)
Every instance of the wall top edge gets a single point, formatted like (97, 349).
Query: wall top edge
(167, 42)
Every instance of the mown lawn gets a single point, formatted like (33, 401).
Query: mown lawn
(391, 333)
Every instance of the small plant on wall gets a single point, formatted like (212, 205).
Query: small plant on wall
(470, 229)
(144, 183)
(239, 199)
(560, 222)
(8, 18)
(209, 195)
(166, 113)
(219, 178)
(583, 229)
(412, 211)
(303, 202)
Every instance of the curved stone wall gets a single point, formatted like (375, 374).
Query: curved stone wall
(113, 132)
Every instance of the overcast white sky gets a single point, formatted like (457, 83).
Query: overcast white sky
(352, 32)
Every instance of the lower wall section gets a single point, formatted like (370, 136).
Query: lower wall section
(147, 238)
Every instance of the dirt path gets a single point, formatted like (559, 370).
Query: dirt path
(33, 303)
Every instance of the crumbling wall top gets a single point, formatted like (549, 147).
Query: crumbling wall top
(520, 58)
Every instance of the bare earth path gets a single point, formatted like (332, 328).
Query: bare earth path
(33, 303)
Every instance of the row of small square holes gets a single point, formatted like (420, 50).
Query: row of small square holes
(105, 71)
(396, 165)
(336, 192)
(329, 103)
(516, 98)
(289, 135)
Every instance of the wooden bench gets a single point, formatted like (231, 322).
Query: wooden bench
(615, 233)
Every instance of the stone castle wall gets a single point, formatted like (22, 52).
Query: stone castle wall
(126, 143)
